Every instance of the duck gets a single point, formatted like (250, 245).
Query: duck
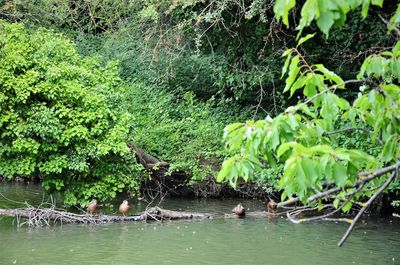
(271, 205)
(92, 207)
(124, 207)
(239, 210)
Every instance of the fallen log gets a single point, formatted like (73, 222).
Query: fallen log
(148, 161)
(44, 216)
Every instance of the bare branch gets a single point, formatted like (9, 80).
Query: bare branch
(381, 171)
(368, 203)
(369, 176)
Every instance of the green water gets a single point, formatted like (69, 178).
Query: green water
(218, 241)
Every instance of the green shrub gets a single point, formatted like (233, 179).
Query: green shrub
(182, 130)
(61, 118)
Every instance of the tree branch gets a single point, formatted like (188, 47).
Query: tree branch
(369, 176)
(347, 129)
(380, 190)
(323, 92)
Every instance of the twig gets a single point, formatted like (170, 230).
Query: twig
(389, 24)
(323, 92)
(347, 129)
(346, 220)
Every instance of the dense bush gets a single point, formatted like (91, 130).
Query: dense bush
(184, 131)
(60, 117)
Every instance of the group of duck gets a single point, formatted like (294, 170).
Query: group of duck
(93, 207)
(239, 210)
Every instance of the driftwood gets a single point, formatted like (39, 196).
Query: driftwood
(44, 216)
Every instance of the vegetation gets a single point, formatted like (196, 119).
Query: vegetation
(322, 170)
(66, 120)
(171, 128)
(186, 69)
(60, 117)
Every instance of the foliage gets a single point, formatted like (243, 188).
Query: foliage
(221, 49)
(60, 117)
(305, 137)
(183, 131)
(94, 16)
(326, 14)
(215, 58)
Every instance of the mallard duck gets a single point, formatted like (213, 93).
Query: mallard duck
(124, 207)
(239, 210)
(271, 206)
(92, 207)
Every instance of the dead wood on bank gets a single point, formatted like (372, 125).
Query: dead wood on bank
(37, 217)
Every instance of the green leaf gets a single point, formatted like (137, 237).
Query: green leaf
(325, 22)
(283, 148)
(309, 169)
(282, 9)
(331, 76)
(298, 84)
(304, 39)
(274, 139)
(396, 48)
(377, 2)
(309, 11)
(288, 52)
(293, 71)
(339, 174)
(301, 180)
(271, 160)
(336, 203)
(389, 148)
(395, 20)
(329, 109)
(346, 208)
(285, 66)
(226, 168)
(365, 8)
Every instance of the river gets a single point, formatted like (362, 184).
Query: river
(218, 241)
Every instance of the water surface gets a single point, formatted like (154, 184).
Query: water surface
(218, 241)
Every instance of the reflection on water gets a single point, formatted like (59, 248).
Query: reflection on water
(218, 241)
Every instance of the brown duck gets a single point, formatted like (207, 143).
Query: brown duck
(271, 206)
(124, 207)
(239, 210)
(92, 207)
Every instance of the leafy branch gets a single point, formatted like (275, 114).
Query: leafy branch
(319, 171)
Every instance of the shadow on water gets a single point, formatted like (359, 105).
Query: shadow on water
(218, 241)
